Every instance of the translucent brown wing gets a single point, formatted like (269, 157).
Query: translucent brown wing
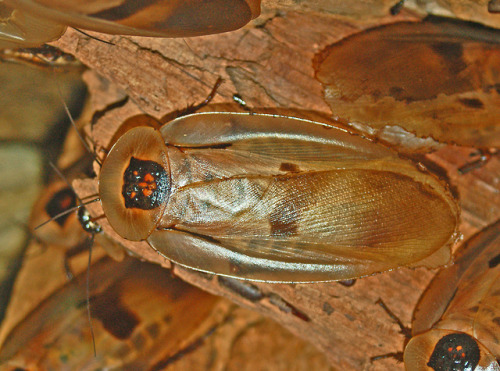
(140, 317)
(436, 78)
(24, 29)
(161, 18)
(281, 199)
(471, 262)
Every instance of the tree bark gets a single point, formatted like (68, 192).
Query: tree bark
(269, 64)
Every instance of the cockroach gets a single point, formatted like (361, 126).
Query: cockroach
(136, 307)
(32, 22)
(435, 79)
(456, 323)
(274, 198)
(70, 223)
(43, 57)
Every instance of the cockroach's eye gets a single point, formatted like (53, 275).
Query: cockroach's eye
(458, 352)
(145, 184)
(134, 184)
(62, 200)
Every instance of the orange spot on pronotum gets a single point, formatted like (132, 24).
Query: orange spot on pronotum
(133, 194)
(147, 192)
(148, 177)
(66, 203)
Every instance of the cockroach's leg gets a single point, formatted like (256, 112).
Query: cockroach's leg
(405, 330)
(192, 108)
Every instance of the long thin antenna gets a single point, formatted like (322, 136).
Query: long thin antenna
(93, 37)
(70, 116)
(61, 175)
(88, 294)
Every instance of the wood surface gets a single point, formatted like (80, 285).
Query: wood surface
(269, 64)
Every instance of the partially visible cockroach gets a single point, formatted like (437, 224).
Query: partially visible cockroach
(28, 23)
(68, 228)
(43, 57)
(456, 322)
(274, 198)
(142, 316)
(435, 79)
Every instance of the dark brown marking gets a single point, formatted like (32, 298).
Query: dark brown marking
(286, 307)
(145, 184)
(327, 308)
(474, 309)
(289, 167)
(494, 6)
(61, 201)
(496, 321)
(395, 9)
(398, 93)
(452, 54)
(114, 316)
(242, 288)
(494, 261)
(471, 103)
(284, 219)
(349, 317)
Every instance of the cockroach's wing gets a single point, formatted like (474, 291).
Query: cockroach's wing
(161, 18)
(434, 79)
(24, 29)
(140, 316)
(301, 201)
(466, 329)
(471, 262)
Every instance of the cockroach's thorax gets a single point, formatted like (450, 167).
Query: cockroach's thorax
(145, 184)
(63, 200)
(455, 352)
(88, 224)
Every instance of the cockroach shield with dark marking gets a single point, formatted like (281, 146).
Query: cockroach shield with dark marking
(274, 198)
(456, 325)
